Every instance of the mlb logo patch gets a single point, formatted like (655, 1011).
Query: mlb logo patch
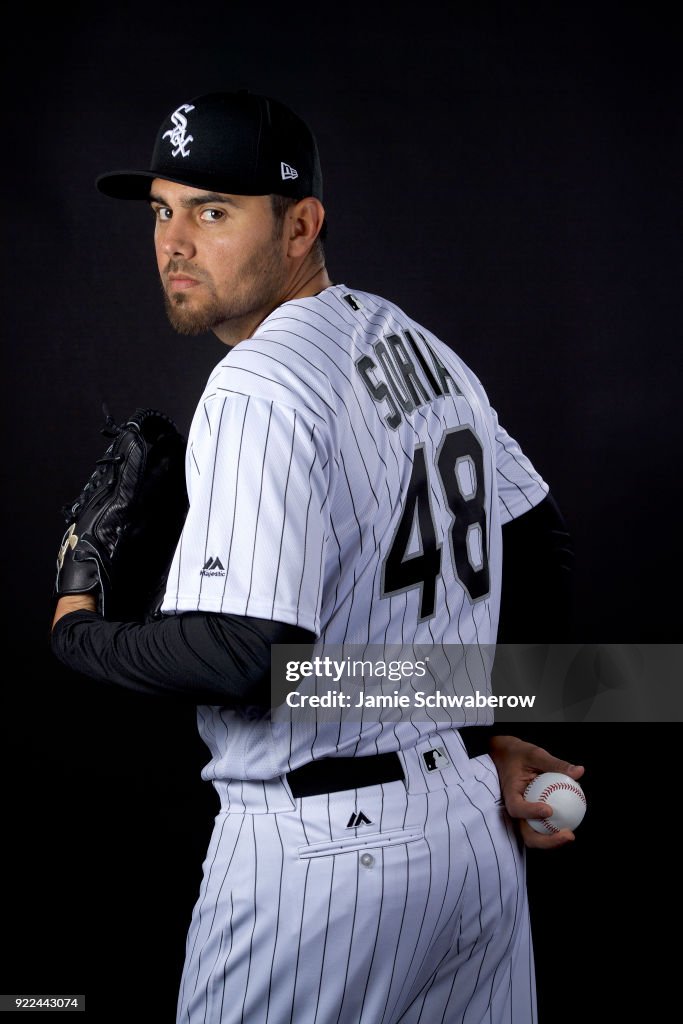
(436, 759)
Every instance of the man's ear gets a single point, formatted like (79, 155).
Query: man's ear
(304, 223)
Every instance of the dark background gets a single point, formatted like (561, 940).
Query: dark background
(510, 175)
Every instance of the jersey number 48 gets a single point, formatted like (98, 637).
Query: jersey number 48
(459, 466)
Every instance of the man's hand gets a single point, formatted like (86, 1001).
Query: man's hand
(517, 763)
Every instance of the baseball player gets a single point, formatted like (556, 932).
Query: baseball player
(349, 487)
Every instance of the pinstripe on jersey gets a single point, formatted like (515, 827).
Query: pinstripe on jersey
(303, 452)
(347, 474)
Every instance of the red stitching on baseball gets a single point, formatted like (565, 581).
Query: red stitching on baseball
(562, 785)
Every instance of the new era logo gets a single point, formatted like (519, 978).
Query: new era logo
(288, 173)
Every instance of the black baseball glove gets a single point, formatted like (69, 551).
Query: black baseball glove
(126, 522)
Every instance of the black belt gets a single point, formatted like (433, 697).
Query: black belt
(332, 774)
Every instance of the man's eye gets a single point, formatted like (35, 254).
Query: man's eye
(212, 215)
(162, 213)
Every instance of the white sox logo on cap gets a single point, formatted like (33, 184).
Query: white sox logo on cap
(229, 142)
(177, 134)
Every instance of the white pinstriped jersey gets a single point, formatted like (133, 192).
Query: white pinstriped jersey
(346, 474)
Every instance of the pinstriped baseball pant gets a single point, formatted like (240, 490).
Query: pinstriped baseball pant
(309, 915)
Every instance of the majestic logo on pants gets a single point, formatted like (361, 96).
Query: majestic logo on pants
(177, 136)
(358, 819)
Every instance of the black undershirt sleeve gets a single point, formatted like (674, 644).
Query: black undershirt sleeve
(206, 658)
(537, 595)
(225, 659)
(538, 563)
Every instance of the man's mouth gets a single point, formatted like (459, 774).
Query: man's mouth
(181, 282)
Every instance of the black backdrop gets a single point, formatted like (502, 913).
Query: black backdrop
(510, 174)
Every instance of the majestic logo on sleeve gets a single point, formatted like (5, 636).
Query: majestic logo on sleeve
(213, 567)
(177, 136)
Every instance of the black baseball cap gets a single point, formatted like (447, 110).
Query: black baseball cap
(232, 142)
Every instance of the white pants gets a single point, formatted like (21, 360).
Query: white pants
(309, 915)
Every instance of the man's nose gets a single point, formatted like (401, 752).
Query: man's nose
(176, 241)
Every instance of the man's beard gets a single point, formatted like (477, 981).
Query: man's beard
(259, 286)
(189, 321)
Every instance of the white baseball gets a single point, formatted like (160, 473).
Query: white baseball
(563, 794)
